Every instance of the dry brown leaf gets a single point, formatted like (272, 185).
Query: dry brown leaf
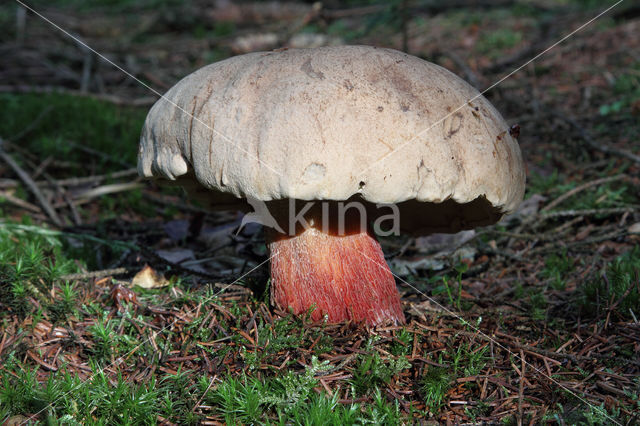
(120, 293)
(149, 278)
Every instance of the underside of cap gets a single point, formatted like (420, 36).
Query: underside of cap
(336, 123)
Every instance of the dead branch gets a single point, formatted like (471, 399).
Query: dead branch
(24, 176)
(88, 180)
(20, 202)
(95, 274)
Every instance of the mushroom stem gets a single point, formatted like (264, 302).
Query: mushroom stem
(342, 276)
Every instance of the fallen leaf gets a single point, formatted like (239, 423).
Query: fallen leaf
(148, 278)
(635, 228)
(120, 293)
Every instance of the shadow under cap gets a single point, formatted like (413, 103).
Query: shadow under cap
(416, 217)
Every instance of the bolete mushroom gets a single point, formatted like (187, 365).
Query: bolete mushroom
(397, 137)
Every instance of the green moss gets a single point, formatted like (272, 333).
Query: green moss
(617, 285)
(557, 268)
(434, 387)
(30, 263)
(373, 371)
(60, 123)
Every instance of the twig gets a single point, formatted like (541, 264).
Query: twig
(78, 181)
(95, 274)
(24, 176)
(600, 146)
(587, 212)
(608, 236)
(571, 357)
(604, 385)
(20, 202)
(42, 166)
(604, 237)
(580, 188)
(75, 215)
(193, 410)
(109, 189)
(542, 237)
(486, 249)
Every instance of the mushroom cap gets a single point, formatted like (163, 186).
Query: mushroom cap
(338, 123)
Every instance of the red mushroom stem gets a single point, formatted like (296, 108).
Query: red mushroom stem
(344, 277)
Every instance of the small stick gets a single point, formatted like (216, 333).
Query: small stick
(75, 215)
(600, 146)
(94, 274)
(204, 394)
(574, 191)
(587, 212)
(78, 181)
(32, 186)
(20, 202)
(42, 166)
(109, 189)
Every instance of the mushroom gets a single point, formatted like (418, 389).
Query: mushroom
(334, 142)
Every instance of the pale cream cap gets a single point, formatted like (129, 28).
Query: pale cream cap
(338, 123)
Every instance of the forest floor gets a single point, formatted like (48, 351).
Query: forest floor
(122, 301)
